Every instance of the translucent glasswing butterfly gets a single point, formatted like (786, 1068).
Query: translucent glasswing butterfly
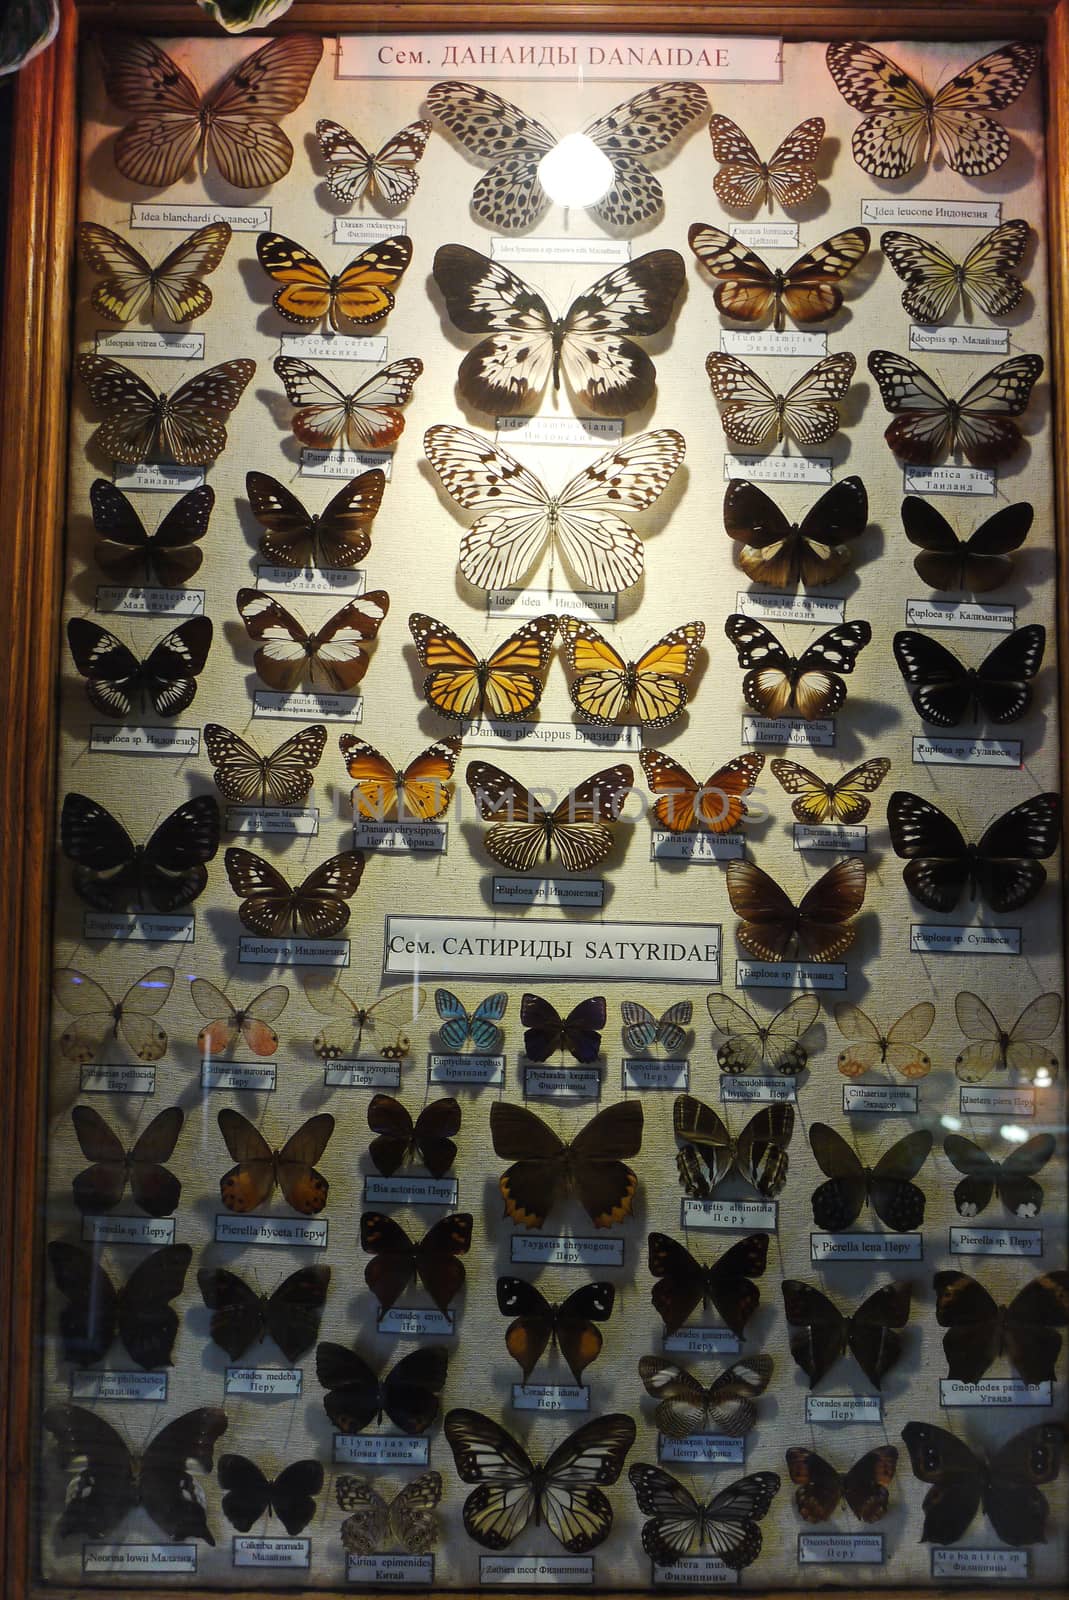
(753, 1046)
(98, 1018)
(578, 832)
(271, 906)
(381, 1020)
(820, 924)
(382, 792)
(337, 536)
(570, 1325)
(545, 1169)
(1019, 1049)
(772, 549)
(747, 290)
(396, 1261)
(458, 1025)
(504, 685)
(332, 655)
(605, 686)
(886, 1187)
(1002, 869)
(778, 684)
(726, 1524)
(368, 418)
(361, 293)
(259, 1170)
(241, 1317)
(227, 1023)
(118, 683)
(687, 1406)
(1012, 1178)
(753, 414)
(683, 806)
(788, 176)
(129, 284)
(1026, 1329)
(1004, 1482)
(928, 425)
(131, 556)
(830, 800)
(709, 1154)
(684, 1283)
(186, 426)
(248, 1494)
(283, 778)
(897, 1048)
(820, 1333)
(934, 280)
(820, 1486)
(977, 564)
(408, 1518)
(103, 1183)
(642, 1030)
(945, 692)
(388, 175)
(165, 873)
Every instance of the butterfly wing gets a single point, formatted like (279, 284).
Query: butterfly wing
(506, 1496)
(1008, 854)
(507, 685)
(979, 563)
(156, 149)
(536, 1179)
(745, 181)
(237, 1319)
(872, 1333)
(510, 196)
(147, 1323)
(930, 275)
(818, 802)
(642, 126)
(168, 1492)
(708, 1154)
(606, 370)
(411, 1515)
(791, 168)
(1003, 680)
(88, 1320)
(838, 1202)
(580, 829)
(576, 1511)
(302, 1186)
(923, 429)
(191, 422)
(251, 1182)
(366, 1528)
(971, 143)
(129, 282)
(827, 907)
(292, 1312)
(818, 1330)
(503, 372)
(282, 779)
(604, 1183)
(866, 1483)
(116, 681)
(354, 1396)
(104, 1490)
(957, 1477)
(247, 1494)
(1011, 1498)
(818, 1486)
(811, 290)
(896, 1201)
(433, 1135)
(241, 132)
(938, 865)
(769, 921)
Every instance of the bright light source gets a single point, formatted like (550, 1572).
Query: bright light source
(953, 1123)
(575, 172)
(1013, 1134)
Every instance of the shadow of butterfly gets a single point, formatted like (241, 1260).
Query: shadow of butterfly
(773, 1046)
(186, 427)
(605, 686)
(114, 1481)
(331, 657)
(408, 1519)
(578, 832)
(98, 1018)
(1019, 1049)
(387, 175)
(546, 1031)
(1002, 869)
(397, 1138)
(679, 1526)
(753, 414)
(897, 1048)
(945, 692)
(382, 1021)
(131, 285)
(1012, 1179)
(138, 1312)
(249, 1495)
(934, 280)
(563, 1492)
(1005, 1482)
(687, 1406)
(504, 685)
(642, 1030)
(339, 536)
(928, 425)
(821, 1487)
(819, 925)
(977, 564)
(682, 805)
(369, 418)
(710, 1154)
(283, 778)
(361, 293)
(382, 792)
(274, 908)
(886, 1187)
(748, 290)
(819, 800)
(979, 1330)
(683, 1283)
(545, 1169)
(458, 1025)
(408, 1394)
(396, 1262)
(810, 685)
(260, 1170)
(102, 1185)
(163, 874)
(241, 1318)
(820, 1333)
(130, 556)
(773, 550)
(568, 1325)
(228, 1023)
(788, 176)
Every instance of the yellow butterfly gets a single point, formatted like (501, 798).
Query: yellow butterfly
(130, 284)
(820, 801)
(653, 687)
(360, 293)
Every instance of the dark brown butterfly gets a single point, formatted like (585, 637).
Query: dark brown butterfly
(928, 425)
(710, 1154)
(806, 291)
(886, 1186)
(686, 1406)
(164, 873)
(408, 1395)
(819, 924)
(337, 536)
(1012, 1178)
(241, 1317)
(545, 1169)
(578, 831)
(117, 682)
(248, 1495)
(820, 1333)
(260, 1169)
(129, 555)
(976, 564)
(683, 1283)
(864, 1486)
(810, 685)
(316, 907)
(546, 1031)
(1002, 869)
(101, 1186)
(396, 1261)
(139, 1311)
(113, 1481)
(429, 1138)
(281, 779)
(185, 426)
(945, 692)
(979, 1330)
(1006, 1482)
(774, 550)
(331, 657)
(568, 1325)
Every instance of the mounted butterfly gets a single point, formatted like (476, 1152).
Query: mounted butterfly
(396, 1262)
(355, 1397)
(864, 1487)
(164, 874)
(928, 425)
(408, 1519)
(577, 834)
(545, 1169)
(820, 1334)
(249, 1495)
(339, 536)
(977, 564)
(381, 1021)
(387, 176)
(810, 685)
(686, 1406)
(788, 177)
(717, 806)
(753, 414)
(642, 1030)
(570, 1326)
(773, 550)
(820, 801)
(131, 286)
(886, 1187)
(819, 926)
(99, 1188)
(1012, 1179)
(773, 1046)
(479, 1026)
(945, 692)
(1002, 869)
(331, 656)
(546, 1031)
(684, 1283)
(747, 290)
(1005, 1482)
(241, 1317)
(361, 293)
(99, 1019)
(228, 1023)
(138, 1313)
(897, 1048)
(273, 908)
(504, 685)
(420, 792)
(186, 427)
(368, 418)
(118, 683)
(429, 1139)
(259, 1169)
(1026, 1330)
(130, 555)
(654, 689)
(934, 280)
(709, 1154)
(284, 778)
(681, 1527)
(1019, 1049)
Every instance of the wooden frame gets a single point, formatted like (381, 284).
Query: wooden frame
(35, 386)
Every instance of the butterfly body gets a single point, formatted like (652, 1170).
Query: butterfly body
(332, 655)
(118, 682)
(369, 418)
(687, 1406)
(820, 1333)
(337, 536)
(1002, 868)
(130, 555)
(709, 1154)
(979, 1330)
(397, 1262)
(480, 1025)
(1005, 1482)
(825, 800)
(886, 1187)
(934, 280)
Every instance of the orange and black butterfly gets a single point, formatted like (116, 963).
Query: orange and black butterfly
(979, 1330)
(505, 685)
(778, 684)
(545, 1169)
(569, 1325)
(864, 1486)
(337, 536)
(819, 924)
(820, 800)
(396, 1261)
(654, 687)
(381, 791)
(361, 293)
(260, 1170)
(773, 550)
(807, 291)
(682, 805)
(272, 907)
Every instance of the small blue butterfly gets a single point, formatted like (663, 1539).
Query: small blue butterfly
(480, 1025)
(642, 1030)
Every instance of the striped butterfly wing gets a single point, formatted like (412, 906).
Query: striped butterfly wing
(361, 293)
(283, 778)
(369, 418)
(505, 685)
(337, 536)
(355, 172)
(317, 906)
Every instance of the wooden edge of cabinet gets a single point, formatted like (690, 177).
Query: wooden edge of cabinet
(35, 378)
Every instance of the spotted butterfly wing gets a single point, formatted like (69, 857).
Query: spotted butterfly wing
(355, 172)
(368, 418)
(545, 1169)
(977, 564)
(1020, 1049)
(271, 906)
(775, 551)
(684, 1283)
(1012, 1179)
(409, 1517)
(578, 832)
(897, 1048)
(1026, 1330)
(249, 1495)
(241, 1318)
(165, 873)
(102, 1185)
(1003, 869)
(945, 692)
(788, 176)
(396, 1262)
(928, 425)
(810, 685)
(753, 414)
(505, 685)
(820, 924)
(283, 778)
(118, 683)
(337, 536)
(361, 293)
(480, 1025)
(571, 1325)
(1006, 1483)
(820, 800)
(886, 1187)
(429, 1139)
(408, 1394)
(708, 1153)
(680, 1526)
(382, 792)
(752, 1046)
(820, 1333)
(129, 285)
(381, 1021)
(259, 1170)
(139, 1312)
(719, 804)
(332, 655)
(546, 1031)
(227, 1023)
(654, 688)
(126, 553)
(186, 426)
(747, 290)
(642, 1030)
(687, 1406)
(98, 1018)
(934, 279)
(820, 1487)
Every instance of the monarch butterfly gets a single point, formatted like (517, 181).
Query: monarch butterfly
(654, 687)
(504, 685)
(381, 791)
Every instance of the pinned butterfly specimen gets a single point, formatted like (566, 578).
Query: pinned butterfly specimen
(977, 564)
(1002, 870)
(604, 368)
(382, 1020)
(235, 127)
(1019, 1049)
(248, 1495)
(810, 685)
(979, 1330)
(683, 1283)
(428, 1139)
(820, 925)
(408, 1394)
(753, 1046)
(361, 293)
(545, 1169)
(653, 689)
(505, 685)
(396, 1262)
(130, 555)
(563, 1492)
(904, 124)
(934, 280)
(642, 1030)
(519, 518)
(283, 778)
(788, 176)
(98, 1018)
(186, 426)
(546, 1031)
(748, 290)
(820, 1333)
(820, 800)
(114, 1481)
(577, 833)
(131, 285)
(382, 792)
(1005, 1483)
(511, 197)
(753, 414)
(273, 907)
(680, 1526)
(683, 806)
(369, 418)
(569, 1325)
(817, 550)
(864, 1486)
(408, 1519)
(1012, 1178)
(686, 1406)
(387, 175)
(336, 537)
(165, 872)
(139, 1312)
(928, 425)
(886, 1187)
(259, 1170)
(119, 683)
(228, 1023)
(332, 655)
(241, 1318)
(897, 1048)
(458, 1025)
(945, 692)
(102, 1185)
(709, 1154)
